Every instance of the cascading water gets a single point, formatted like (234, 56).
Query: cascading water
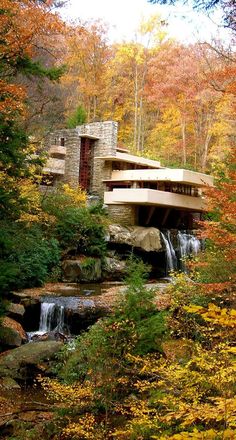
(188, 245)
(171, 259)
(51, 320)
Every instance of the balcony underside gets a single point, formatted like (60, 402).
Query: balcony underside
(143, 196)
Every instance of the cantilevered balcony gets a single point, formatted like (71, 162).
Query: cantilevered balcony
(180, 176)
(145, 196)
(57, 151)
(54, 166)
(130, 159)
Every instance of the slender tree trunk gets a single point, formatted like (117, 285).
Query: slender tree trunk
(140, 124)
(135, 105)
(94, 107)
(205, 151)
(183, 130)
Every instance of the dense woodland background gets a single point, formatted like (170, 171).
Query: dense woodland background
(163, 372)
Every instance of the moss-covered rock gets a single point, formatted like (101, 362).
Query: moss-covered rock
(25, 362)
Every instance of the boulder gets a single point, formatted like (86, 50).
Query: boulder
(147, 239)
(85, 269)
(91, 269)
(24, 362)
(12, 333)
(15, 311)
(115, 269)
(71, 270)
(49, 336)
(8, 383)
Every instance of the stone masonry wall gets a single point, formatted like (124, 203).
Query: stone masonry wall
(72, 160)
(105, 145)
(124, 215)
(72, 144)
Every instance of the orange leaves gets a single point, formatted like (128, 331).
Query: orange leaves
(23, 26)
(12, 98)
(87, 56)
(21, 23)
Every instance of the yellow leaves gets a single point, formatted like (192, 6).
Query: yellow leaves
(33, 213)
(211, 434)
(86, 428)
(221, 410)
(153, 30)
(77, 196)
(69, 395)
(214, 314)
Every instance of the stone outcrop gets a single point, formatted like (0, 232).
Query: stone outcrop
(82, 269)
(114, 268)
(15, 311)
(71, 270)
(147, 239)
(12, 333)
(24, 362)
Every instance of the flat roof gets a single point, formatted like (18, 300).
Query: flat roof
(129, 158)
(87, 135)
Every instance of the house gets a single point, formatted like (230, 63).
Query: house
(136, 190)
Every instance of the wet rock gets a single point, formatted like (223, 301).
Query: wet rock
(49, 336)
(147, 239)
(12, 333)
(18, 296)
(71, 270)
(85, 269)
(91, 269)
(115, 269)
(8, 383)
(15, 311)
(30, 302)
(25, 362)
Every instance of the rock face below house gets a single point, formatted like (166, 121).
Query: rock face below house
(114, 268)
(24, 362)
(85, 269)
(147, 239)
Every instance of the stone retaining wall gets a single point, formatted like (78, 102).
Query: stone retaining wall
(123, 214)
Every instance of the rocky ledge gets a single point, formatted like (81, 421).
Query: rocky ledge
(144, 238)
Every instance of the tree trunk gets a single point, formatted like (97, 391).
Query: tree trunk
(183, 130)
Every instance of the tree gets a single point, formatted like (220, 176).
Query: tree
(227, 6)
(77, 118)
(23, 26)
(128, 78)
(87, 58)
(189, 127)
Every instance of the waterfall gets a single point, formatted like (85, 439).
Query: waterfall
(51, 318)
(188, 245)
(171, 259)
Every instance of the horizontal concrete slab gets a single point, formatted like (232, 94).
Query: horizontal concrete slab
(129, 158)
(163, 175)
(54, 166)
(143, 196)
